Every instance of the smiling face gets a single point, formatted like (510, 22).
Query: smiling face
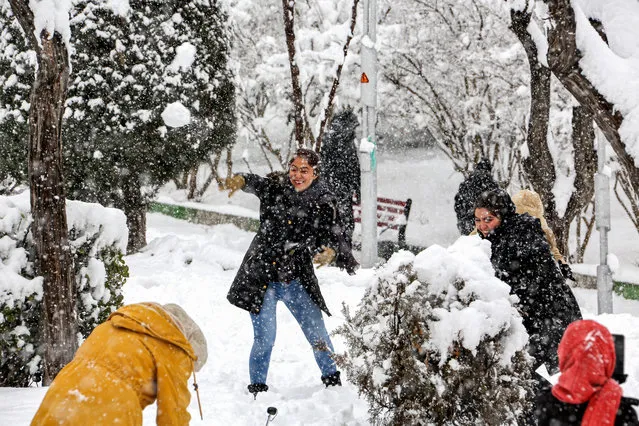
(301, 174)
(486, 221)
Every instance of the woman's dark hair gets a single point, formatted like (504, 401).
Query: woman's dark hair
(497, 201)
(311, 157)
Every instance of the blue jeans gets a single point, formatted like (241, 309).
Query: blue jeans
(308, 316)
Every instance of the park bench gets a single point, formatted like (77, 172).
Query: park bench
(391, 214)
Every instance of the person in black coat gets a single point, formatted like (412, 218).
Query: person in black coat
(522, 259)
(480, 180)
(587, 392)
(552, 412)
(340, 165)
(299, 224)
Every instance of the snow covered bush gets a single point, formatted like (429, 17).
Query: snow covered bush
(436, 340)
(97, 236)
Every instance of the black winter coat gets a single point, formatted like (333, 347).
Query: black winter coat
(550, 411)
(522, 259)
(293, 228)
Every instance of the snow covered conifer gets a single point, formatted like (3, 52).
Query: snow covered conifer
(436, 340)
(97, 236)
(17, 66)
(151, 95)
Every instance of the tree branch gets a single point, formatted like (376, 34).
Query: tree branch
(288, 7)
(328, 112)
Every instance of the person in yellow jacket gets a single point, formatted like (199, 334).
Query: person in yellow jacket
(142, 353)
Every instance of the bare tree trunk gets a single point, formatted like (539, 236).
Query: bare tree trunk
(583, 138)
(563, 60)
(48, 202)
(288, 7)
(211, 177)
(589, 224)
(229, 162)
(192, 182)
(135, 211)
(539, 166)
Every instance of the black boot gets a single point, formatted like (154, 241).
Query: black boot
(332, 380)
(256, 388)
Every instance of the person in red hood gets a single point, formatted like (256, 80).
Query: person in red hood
(585, 394)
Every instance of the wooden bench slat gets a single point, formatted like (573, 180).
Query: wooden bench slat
(391, 201)
(384, 208)
(391, 214)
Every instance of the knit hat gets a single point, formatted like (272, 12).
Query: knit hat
(191, 331)
(497, 201)
(587, 361)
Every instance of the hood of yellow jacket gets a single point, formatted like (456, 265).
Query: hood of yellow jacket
(151, 319)
(527, 201)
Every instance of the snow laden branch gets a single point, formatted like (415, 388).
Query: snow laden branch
(591, 48)
(455, 82)
(331, 95)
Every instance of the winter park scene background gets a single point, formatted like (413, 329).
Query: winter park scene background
(165, 99)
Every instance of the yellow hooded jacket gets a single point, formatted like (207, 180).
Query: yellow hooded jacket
(527, 201)
(137, 356)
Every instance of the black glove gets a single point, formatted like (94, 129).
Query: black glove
(347, 261)
(566, 271)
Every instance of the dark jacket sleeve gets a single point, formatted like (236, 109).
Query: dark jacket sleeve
(256, 185)
(627, 412)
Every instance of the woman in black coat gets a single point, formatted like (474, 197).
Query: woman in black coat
(522, 259)
(299, 223)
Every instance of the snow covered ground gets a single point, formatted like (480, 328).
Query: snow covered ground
(193, 265)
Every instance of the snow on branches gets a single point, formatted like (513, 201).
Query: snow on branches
(438, 340)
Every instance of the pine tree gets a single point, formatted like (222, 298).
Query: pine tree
(17, 66)
(128, 68)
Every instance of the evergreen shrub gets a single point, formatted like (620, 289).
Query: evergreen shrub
(432, 344)
(97, 237)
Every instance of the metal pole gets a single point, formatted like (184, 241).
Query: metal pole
(602, 205)
(368, 144)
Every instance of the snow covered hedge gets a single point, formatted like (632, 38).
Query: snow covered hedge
(437, 340)
(98, 237)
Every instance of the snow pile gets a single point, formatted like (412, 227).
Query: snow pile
(489, 308)
(16, 272)
(437, 339)
(52, 16)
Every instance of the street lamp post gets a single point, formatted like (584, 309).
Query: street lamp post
(602, 206)
(368, 144)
